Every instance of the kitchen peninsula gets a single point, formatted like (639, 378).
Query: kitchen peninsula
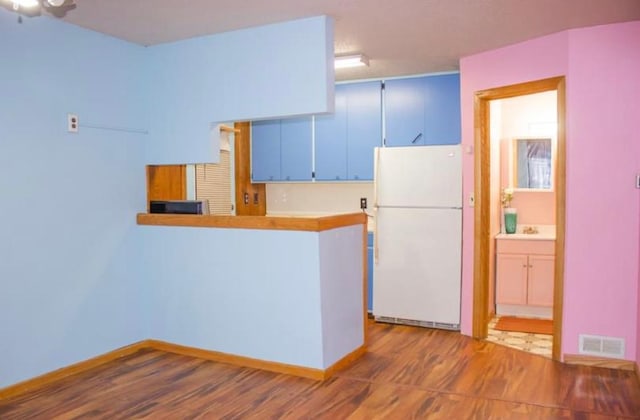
(278, 293)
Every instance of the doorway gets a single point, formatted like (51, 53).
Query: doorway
(482, 213)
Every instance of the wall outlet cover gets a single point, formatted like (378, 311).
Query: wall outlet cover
(72, 123)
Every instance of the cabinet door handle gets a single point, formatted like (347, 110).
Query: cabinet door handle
(524, 265)
(416, 139)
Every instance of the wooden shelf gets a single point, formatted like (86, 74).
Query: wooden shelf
(227, 129)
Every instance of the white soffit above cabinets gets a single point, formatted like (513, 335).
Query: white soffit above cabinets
(400, 37)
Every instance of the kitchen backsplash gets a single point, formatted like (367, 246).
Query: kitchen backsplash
(318, 197)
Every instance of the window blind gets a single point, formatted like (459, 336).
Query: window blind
(213, 184)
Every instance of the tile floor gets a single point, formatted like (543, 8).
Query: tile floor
(533, 343)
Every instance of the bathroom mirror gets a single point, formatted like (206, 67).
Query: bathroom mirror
(532, 163)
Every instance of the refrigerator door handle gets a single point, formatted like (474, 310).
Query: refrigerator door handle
(376, 166)
(376, 169)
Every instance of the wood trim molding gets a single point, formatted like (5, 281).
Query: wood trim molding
(596, 361)
(481, 218)
(519, 89)
(310, 224)
(56, 375)
(561, 205)
(251, 198)
(227, 129)
(216, 356)
(482, 205)
(345, 361)
(365, 283)
(242, 361)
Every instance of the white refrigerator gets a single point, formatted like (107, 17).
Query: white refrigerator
(418, 235)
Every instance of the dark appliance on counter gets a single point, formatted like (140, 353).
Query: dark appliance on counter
(177, 206)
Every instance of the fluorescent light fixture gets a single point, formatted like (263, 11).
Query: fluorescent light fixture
(345, 61)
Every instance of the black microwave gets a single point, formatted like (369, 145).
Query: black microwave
(177, 206)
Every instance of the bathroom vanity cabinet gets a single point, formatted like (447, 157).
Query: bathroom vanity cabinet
(524, 276)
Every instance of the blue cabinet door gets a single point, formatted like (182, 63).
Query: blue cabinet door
(442, 109)
(364, 128)
(331, 140)
(296, 149)
(265, 150)
(404, 112)
(370, 272)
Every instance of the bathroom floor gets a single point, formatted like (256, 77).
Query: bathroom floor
(533, 343)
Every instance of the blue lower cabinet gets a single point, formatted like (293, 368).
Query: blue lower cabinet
(370, 272)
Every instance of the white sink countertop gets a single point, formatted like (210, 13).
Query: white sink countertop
(544, 233)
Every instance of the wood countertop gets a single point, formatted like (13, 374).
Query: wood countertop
(308, 224)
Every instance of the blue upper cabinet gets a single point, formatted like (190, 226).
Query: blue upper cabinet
(265, 150)
(331, 140)
(423, 110)
(281, 150)
(296, 157)
(442, 109)
(418, 111)
(364, 128)
(404, 111)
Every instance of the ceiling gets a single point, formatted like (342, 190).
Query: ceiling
(400, 37)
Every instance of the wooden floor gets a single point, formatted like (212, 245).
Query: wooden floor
(408, 373)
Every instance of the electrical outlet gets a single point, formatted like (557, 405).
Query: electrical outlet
(72, 123)
(363, 203)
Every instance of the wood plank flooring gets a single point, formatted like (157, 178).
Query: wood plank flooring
(407, 373)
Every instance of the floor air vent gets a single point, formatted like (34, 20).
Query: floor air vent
(427, 324)
(596, 345)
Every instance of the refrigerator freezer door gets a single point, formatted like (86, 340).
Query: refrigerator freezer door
(421, 176)
(417, 265)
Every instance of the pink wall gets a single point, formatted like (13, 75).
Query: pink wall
(601, 65)
(603, 103)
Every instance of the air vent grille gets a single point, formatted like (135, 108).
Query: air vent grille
(415, 323)
(601, 346)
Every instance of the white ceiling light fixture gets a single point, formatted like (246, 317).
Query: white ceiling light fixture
(27, 4)
(30, 8)
(355, 60)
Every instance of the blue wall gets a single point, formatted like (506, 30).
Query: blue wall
(274, 70)
(70, 273)
(253, 293)
(70, 289)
